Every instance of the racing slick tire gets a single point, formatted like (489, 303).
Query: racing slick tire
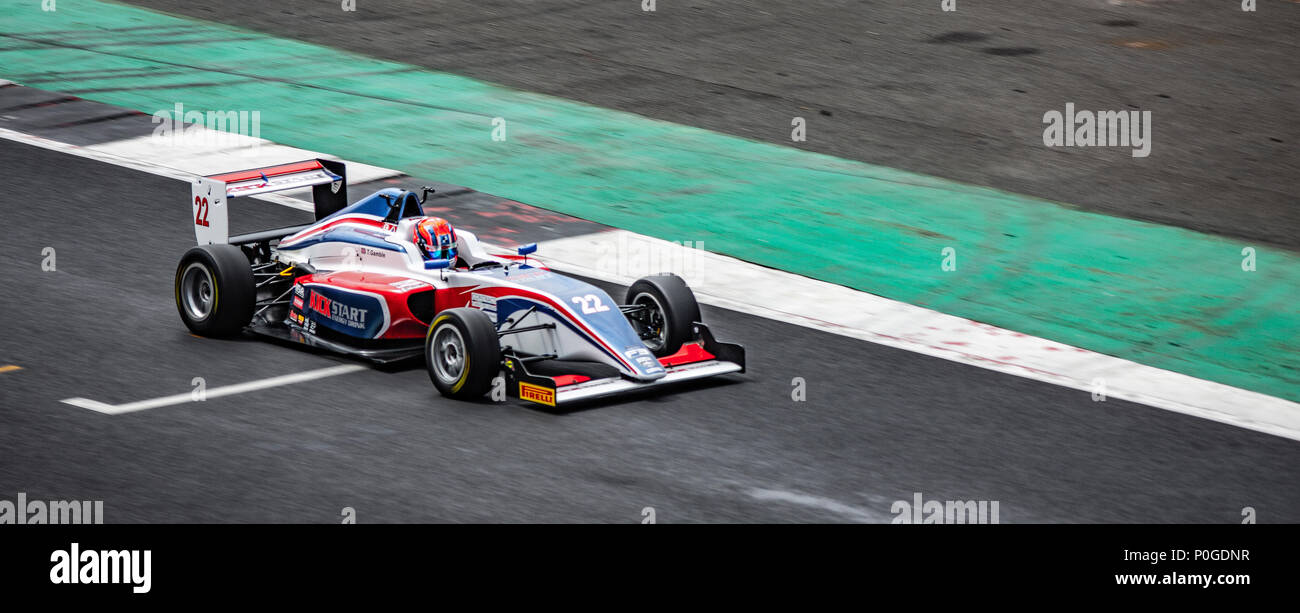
(462, 353)
(215, 293)
(670, 311)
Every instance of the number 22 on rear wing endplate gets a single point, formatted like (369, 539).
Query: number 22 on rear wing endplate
(210, 196)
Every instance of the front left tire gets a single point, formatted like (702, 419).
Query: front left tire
(462, 353)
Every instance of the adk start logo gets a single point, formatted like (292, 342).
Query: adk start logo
(354, 317)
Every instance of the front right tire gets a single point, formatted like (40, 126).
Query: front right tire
(668, 312)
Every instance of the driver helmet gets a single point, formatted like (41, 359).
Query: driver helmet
(436, 239)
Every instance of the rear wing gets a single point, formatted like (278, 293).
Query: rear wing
(211, 194)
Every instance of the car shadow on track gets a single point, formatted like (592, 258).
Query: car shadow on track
(658, 394)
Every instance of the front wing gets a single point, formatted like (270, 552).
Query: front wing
(706, 357)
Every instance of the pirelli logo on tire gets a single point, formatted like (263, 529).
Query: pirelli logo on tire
(537, 393)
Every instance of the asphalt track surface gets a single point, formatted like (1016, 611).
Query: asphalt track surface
(878, 425)
(959, 95)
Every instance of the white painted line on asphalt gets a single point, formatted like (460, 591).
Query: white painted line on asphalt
(738, 285)
(216, 392)
(820, 503)
(135, 153)
(733, 284)
(201, 151)
(62, 147)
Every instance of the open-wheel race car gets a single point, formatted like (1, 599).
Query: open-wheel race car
(380, 280)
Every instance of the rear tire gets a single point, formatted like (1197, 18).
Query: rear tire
(671, 312)
(215, 294)
(462, 353)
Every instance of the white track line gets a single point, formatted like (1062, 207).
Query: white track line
(184, 160)
(202, 151)
(734, 284)
(216, 392)
(820, 503)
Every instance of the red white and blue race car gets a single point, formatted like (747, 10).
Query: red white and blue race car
(381, 280)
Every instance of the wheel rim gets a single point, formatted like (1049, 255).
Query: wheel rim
(448, 354)
(198, 292)
(653, 322)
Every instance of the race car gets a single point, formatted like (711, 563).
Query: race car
(380, 280)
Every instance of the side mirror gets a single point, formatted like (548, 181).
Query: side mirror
(527, 249)
(437, 264)
(394, 206)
